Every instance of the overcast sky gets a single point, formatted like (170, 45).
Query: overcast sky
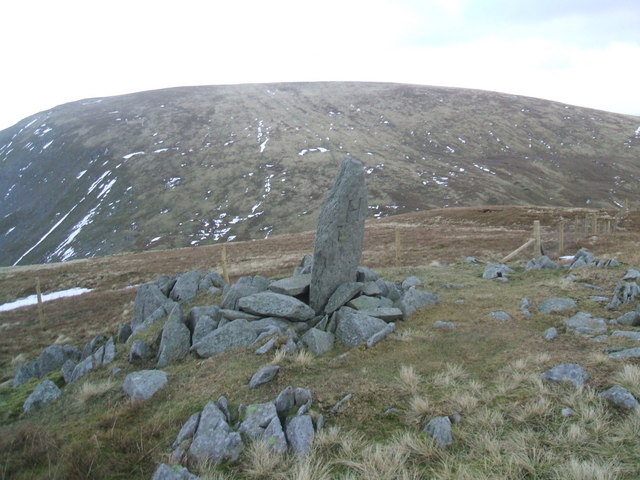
(583, 52)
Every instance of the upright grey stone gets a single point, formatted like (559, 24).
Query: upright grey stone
(300, 434)
(174, 342)
(214, 441)
(340, 233)
(46, 392)
(440, 429)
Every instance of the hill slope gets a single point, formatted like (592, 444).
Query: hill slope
(198, 165)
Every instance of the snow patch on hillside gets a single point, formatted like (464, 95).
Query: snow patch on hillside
(33, 299)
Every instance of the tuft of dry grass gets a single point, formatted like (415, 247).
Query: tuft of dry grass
(587, 470)
(409, 379)
(90, 389)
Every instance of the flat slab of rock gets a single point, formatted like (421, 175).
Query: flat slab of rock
(143, 384)
(500, 315)
(271, 304)
(365, 302)
(583, 323)
(340, 234)
(238, 333)
(496, 270)
(567, 372)
(293, 286)
(388, 314)
(557, 305)
(264, 375)
(627, 353)
(633, 335)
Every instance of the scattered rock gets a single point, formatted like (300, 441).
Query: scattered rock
(256, 419)
(300, 434)
(365, 275)
(342, 295)
(496, 270)
(631, 274)
(45, 393)
(413, 300)
(274, 436)
(264, 375)
(629, 319)
(633, 335)
(409, 282)
(550, 333)
(581, 259)
(567, 372)
(175, 472)
(543, 262)
(214, 442)
(381, 335)
(340, 233)
(567, 412)
(623, 293)
(151, 304)
(584, 324)
(620, 397)
(124, 332)
(524, 307)
(557, 305)
(188, 430)
(501, 316)
(441, 324)
(139, 352)
(143, 384)
(341, 402)
(626, 353)
(174, 343)
(318, 342)
(439, 429)
(364, 302)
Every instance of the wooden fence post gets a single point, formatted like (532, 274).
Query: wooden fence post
(594, 223)
(40, 308)
(561, 239)
(577, 230)
(537, 245)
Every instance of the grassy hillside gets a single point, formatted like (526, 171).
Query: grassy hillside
(488, 372)
(202, 165)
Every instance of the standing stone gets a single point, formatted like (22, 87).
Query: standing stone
(340, 233)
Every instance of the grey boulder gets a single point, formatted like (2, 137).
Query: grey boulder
(175, 472)
(293, 286)
(317, 341)
(143, 384)
(214, 441)
(45, 393)
(270, 304)
(439, 429)
(496, 270)
(620, 397)
(300, 434)
(557, 305)
(567, 372)
(412, 300)
(174, 342)
(264, 375)
(237, 333)
(186, 287)
(355, 328)
(342, 295)
(584, 324)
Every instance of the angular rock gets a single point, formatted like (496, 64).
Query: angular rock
(25, 371)
(150, 305)
(232, 315)
(292, 286)
(388, 314)
(214, 442)
(257, 418)
(582, 258)
(441, 324)
(365, 274)
(285, 401)
(186, 286)
(409, 282)
(340, 234)
(584, 324)
(342, 295)
(354, 329)
(629, 319)
(235, 292)
(633, 335)
(413, 300)
(67, 370)
(175, 472)
(93, 345)
(143, 384)
(174, 342)
(627, 353)
(104, 354)
(381, 335)
(196, 313)
(234, 334)
(203, 327)
(302, 400)
(45, 393)
(496, 270)
(188, 430)
(274, 436)
(124, 332)
(317, 341)
(543, 262)
(364, 302)
(501, 316)
(550, 333)
(439, 429)
(620, 397)
(264, 375)
(139, 352)
(372, 289)
(567, 372)
(300, 434)
(165, 284)
(270, 304)
(557, 305)
(54, 356)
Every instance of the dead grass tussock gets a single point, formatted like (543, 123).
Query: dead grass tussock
(452, 375)
(409, 379)
(628, 377)
(576, 469)
(259, 461)
(90, 389)
(419, 410)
